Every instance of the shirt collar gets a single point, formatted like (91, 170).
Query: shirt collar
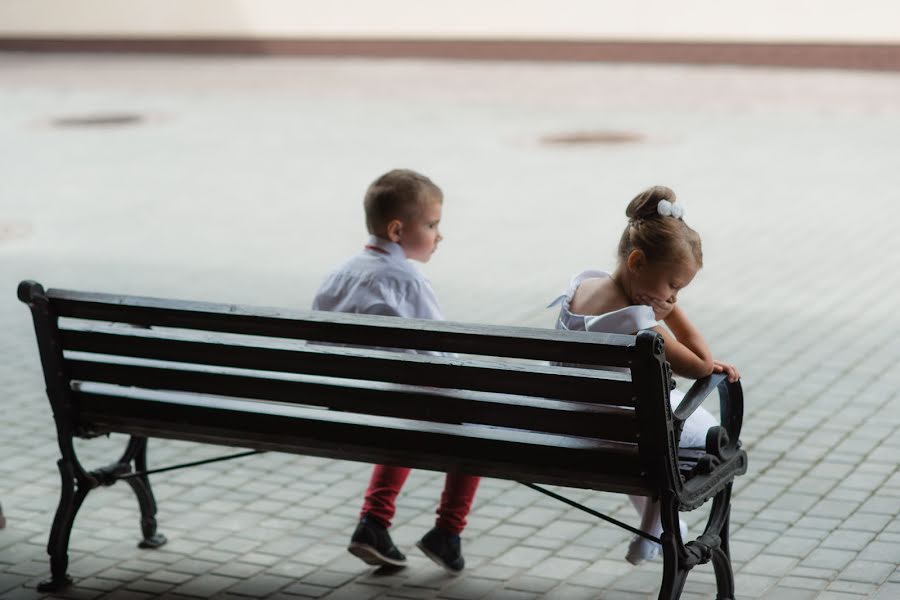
(393, 249)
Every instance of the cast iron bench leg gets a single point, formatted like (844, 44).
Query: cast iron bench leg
(674, 574)
(71, 498)
(76, 483)
(721, 559)
(711, 546)
(137, 451)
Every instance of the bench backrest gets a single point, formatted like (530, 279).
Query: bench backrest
(480, 399)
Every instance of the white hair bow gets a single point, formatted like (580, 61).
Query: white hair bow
(670, 209)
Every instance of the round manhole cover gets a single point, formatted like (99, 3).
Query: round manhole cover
(592, 138)
(98, 120)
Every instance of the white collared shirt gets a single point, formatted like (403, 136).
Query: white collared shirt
(378, 281)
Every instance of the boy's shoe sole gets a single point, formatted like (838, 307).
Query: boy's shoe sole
(437, 559)
(371, 556)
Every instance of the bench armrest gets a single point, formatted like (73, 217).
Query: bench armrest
(696, 395)
(722, 459)
(731, 404)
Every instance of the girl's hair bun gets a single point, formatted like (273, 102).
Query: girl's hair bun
(644, 205)
(655, 232)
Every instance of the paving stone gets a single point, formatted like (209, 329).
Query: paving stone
(815, 572)
(238, 570)
(128, 595)
(642, 580)
(866, 522)
(9, 581)
(867, 571)
(205, 585)
(887, 592)
(755, 535)
(410, 592)
(332, 579)
(192, 566)
(355, 591)
(564, 529)
(884, 505)
(508, 594)
(29, 568)
(789, 593)
(881, 551)
(828, 558)
(155, 588)
(797, 547)
(834, 508)
(806, 583)
(260, 586)
(848, 540)
(558, 568)
(99, 583)
(753, 585)
(852, 587)
(535, 517)
(522, 557)
(307, 590)
(70, 593)
(169, 577)
(536, 585)
(571, 592)
(469, 588)
(769, 565)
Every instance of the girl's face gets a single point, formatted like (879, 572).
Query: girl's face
(420, 235)
(659, 281)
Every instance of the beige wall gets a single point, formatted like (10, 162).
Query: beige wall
(840, 21)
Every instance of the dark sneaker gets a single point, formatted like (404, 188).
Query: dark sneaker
(372, 543)
(444, 548)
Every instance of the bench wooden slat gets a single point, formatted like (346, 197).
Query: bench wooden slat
(475, 449)
(366, 397)
(414, 334)
(583, 385)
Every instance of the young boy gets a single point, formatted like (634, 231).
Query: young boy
(403, 211)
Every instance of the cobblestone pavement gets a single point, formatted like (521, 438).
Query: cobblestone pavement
(242, 183)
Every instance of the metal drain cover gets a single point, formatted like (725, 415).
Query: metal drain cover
(98, 120)
(592, 138)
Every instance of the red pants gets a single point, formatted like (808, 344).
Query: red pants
(456, 500)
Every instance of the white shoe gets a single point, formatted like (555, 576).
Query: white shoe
(641, 549)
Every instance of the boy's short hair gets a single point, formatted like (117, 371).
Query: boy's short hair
(398, 194)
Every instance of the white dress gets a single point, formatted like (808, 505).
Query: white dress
(629, 321)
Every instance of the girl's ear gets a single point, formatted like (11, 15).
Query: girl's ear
(636, 260)
(395, 230)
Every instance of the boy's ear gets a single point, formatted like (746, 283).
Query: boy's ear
(636, 260)
(395, 230)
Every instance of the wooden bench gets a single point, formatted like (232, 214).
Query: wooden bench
(326, 384)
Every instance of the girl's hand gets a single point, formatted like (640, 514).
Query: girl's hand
(661, 308)
(729, 369)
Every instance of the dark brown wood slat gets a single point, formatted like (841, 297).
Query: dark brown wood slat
(363, 330)
(583, 385)
(468, 448)
(375, 398)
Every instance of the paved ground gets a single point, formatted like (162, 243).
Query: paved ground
(243, 184)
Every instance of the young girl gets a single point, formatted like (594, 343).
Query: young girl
(658, 256)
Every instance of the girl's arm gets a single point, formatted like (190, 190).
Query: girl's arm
(686, 350)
